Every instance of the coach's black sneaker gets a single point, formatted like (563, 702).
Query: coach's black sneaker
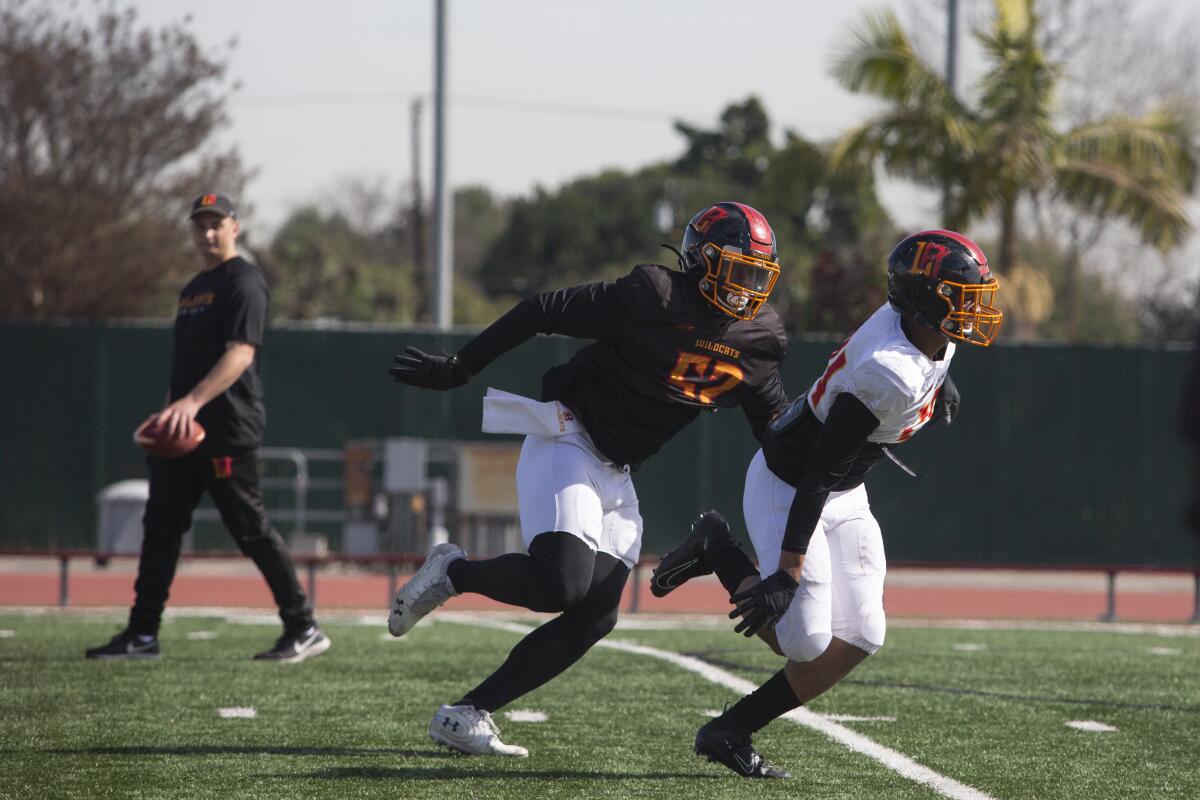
(734, 751)
(127, 645)
(687, 561)
(295, 646)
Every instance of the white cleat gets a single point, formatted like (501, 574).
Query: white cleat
(425, 591)
(468, 730)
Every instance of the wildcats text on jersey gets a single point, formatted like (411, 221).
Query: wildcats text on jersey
(717, 347)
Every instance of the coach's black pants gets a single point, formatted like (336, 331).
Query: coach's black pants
(232, 481)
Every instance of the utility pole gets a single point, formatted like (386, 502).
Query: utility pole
(952, 45)
(421, 268)
(443, 207)
(951, 82)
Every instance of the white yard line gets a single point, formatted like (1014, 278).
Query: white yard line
(1091, 726)
(640, 621)
(526, 715)
(1164, 651)
(892, 759)
(238, 712)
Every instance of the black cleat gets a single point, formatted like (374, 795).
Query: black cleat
(688, 560)
(127, 646)
(736, 752)
(295, 646)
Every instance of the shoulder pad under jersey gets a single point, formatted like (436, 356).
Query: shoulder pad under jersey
(790, 414)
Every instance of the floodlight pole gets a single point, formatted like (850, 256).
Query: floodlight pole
(952, 44)
(420, 265)
(443, 208)
(951, 81)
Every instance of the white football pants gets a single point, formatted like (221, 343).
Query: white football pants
(841, 586)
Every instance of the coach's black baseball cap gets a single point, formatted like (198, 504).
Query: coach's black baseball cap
(212, 204)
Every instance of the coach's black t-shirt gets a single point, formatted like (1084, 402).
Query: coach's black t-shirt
(227, 303)
(662, 354)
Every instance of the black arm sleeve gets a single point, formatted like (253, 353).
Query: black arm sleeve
(591, 311)
(767, 402)
(842, 437)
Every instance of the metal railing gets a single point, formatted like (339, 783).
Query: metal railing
(300, 482)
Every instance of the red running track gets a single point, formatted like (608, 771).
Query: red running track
(701, 596)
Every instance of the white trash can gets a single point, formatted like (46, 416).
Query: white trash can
(121, 508)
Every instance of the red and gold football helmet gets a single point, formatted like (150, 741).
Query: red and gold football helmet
(942, 279)
(731, 248)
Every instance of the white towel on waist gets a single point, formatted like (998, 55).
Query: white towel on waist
(504, 412)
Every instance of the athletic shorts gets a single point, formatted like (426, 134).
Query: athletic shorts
(841, 586)
(564, 484)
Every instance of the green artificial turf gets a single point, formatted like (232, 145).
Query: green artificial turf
(987, 708)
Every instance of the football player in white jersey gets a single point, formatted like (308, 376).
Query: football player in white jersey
(816, 597)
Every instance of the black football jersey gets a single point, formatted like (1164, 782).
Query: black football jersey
(662, 355)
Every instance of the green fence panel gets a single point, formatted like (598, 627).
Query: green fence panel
(1061, 455)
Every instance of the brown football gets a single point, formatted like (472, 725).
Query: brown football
(150, 437)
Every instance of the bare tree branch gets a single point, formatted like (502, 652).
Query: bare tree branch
(104, 137)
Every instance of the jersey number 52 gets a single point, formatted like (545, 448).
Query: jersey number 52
(704, 378)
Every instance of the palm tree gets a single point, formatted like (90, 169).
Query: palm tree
(1003, 148)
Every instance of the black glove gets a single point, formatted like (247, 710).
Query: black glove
(429, 371)
(763, 604)
(945, 407)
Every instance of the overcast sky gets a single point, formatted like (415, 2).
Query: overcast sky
(540, 91)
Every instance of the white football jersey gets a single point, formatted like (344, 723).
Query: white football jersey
(883, 369)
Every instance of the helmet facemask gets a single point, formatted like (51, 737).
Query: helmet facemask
(734, 283)
(971, 316)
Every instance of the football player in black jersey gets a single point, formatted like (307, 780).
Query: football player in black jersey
(819, 601)
(667, 345)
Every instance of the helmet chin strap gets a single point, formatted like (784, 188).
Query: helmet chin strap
(705, 285)
(678, 255)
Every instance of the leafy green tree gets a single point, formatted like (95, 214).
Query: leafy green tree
(740, 147)
(588, 230)
(353, 259)
(1109, 318)
(1004, 148)
(831, 228)
(321, 266)
(599, 226)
